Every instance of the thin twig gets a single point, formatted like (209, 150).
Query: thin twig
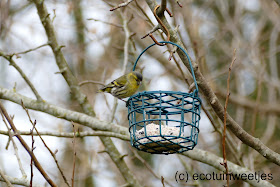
(9, 133)
(71, 135)
(259, 93)
(27, 51)
(114, 109)
(32, 149)
(91, 82)
(27, 148)
(121, 5)
(136, 155)
(74, 155)
(225, 117)
(151, 31)
(54, 15)
(5, 179)
(23, 75)
(52, 153)
(126, 42)
(162, 181)
(180, 5)
(108, 23)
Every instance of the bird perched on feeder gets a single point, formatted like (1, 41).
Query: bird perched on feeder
(124, 86)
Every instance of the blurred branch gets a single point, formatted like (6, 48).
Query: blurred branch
(13, 63)
(71, 135)
(121, 5)
(74, 156)
(188, 168)
(22, 181)
(126, 42)
(225, 117)
(32, 149)
(26, 147)
(5, 179)
(278, 2)
(62, 113)
(24, 52)
(249, 104)
(136, 155)
(80, 53)
(215, 103)
(90, 81)
(9, 133)
(37, 133)
(108, 23)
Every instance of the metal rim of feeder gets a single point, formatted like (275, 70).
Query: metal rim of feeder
(170, 135)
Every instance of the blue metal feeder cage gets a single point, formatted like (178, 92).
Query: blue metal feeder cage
(164, 122)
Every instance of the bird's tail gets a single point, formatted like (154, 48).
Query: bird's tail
(104, 89)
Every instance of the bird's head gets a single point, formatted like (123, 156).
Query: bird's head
(137, 76)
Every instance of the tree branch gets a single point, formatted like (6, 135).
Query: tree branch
(62, 113)
(13, 63)
(5, 179)
(71, 135)
(248, 103)
(26, 147)
(121, 5)
(23, 181)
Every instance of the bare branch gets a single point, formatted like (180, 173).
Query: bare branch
(136, 155)
(10, 134)
(68, 115)
(22, 181)
(32, 149)
(74, 156)
(37, 133)
(71, 135)
(24, 144)
(90, 81)
(121, 5)
(5, 179)
(180, 5)
(108, 23)
(151, 31)
(23, 75)
(225, 118)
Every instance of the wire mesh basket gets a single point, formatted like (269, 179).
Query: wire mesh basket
(164, 122)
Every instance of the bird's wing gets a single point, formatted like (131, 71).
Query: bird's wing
(120, 82)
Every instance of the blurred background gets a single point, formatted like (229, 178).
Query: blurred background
(95, 38)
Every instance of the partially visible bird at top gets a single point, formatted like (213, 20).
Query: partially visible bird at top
(124, 86)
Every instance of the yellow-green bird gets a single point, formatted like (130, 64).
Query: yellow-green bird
(124, 86)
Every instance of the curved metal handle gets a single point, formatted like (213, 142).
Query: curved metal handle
(165, 42)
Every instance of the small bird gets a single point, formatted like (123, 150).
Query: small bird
(124, 86)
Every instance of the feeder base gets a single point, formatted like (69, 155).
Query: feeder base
(153, 142)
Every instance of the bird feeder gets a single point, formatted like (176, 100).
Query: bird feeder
(164, 122)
